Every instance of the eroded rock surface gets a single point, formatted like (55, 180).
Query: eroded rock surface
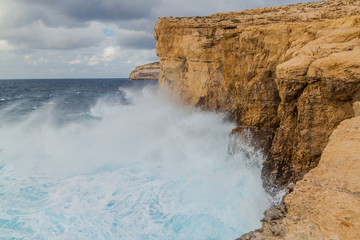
(146, 72)
(292, 70)
(326, 203)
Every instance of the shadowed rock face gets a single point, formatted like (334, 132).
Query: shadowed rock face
(146, 72)
(292, 70)
(325, 204)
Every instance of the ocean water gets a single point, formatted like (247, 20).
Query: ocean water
(113, 159)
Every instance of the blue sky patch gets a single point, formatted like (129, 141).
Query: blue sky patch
(108, 32)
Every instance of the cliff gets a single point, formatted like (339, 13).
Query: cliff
(326, 203)
(288, 73)
(146, 72)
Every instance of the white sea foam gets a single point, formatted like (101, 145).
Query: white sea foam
(148, 170)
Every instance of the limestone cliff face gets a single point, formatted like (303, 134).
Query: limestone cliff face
(146, 72)
(326, 203)
(293, 71)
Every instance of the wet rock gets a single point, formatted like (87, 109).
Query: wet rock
(258, 138)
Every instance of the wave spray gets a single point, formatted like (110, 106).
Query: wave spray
(137, 167)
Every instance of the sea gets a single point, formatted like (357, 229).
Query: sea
(116, 159)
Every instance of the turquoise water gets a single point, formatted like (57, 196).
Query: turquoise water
(126, 164)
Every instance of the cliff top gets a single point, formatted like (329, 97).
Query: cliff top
(149, 65)
(318, 11)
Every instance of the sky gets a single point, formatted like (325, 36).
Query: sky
(92, 38)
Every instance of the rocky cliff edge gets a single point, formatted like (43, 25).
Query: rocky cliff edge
(292, 72)
(326, 203)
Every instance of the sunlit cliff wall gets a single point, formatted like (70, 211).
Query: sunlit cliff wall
(292, 71)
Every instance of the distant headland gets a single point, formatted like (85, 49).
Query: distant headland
(146, 72)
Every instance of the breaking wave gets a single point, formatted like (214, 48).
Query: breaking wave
(135, 167)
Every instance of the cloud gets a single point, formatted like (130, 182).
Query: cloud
(75, 24)
(84, 35)
(90, 10)
(35, 60)
(38, 36)
(94, 60)
(110, 53)
(5, 46)
(75, 61)
(135, 39)
(107, 54)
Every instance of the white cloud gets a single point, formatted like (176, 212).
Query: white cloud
(76, 61)
(110, 53)
(43, 60)
(35, 60)
(5, 46)
(68, 34)
(107, 54)
(39, 36)
(94, 60)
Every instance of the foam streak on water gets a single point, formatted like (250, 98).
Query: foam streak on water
(145, 170)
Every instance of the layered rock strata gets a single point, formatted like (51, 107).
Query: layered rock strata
(146, 72)
(292, 71)
(325, 204)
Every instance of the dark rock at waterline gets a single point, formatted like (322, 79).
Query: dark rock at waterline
(273, 213)
(273, 225)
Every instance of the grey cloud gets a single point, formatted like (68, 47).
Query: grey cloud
(42, 28)
(49, 24)
(37, 36)
(135, 39)
(72, 13)
(16, 14)
(143, 24)
(105, 10)
(19, 19)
